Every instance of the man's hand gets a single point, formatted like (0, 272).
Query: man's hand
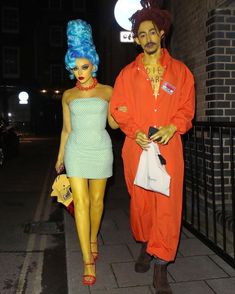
(142, 140)
(122, 108)
(164, 134)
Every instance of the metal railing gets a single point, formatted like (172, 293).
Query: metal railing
(209, 186)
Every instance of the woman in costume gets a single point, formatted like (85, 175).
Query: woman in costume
(85, 146)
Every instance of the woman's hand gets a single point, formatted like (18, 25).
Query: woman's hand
(142, 140)
(59, 167)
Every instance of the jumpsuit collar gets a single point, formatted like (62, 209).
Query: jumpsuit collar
(164, 59)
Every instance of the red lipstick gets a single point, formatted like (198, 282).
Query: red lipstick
(81, 78)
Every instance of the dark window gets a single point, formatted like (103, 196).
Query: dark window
(55, 4)
(56, 72)
(79, 5)
(10, 59)
(56, 36)
(10, 20)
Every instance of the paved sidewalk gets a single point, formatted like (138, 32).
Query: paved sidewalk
(197, 270)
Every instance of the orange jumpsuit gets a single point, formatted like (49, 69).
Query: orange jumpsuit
(155, 218)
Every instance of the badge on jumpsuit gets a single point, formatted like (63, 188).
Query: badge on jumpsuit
(169, 88)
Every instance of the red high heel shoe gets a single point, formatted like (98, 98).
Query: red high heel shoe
(95, 254)
(91, 278)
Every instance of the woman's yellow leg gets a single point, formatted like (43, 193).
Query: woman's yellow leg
(96, 191)
(81, 200)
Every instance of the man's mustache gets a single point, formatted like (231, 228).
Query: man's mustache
(150, 44)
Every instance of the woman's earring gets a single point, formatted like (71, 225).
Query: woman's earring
(71, 74)
(95, 68)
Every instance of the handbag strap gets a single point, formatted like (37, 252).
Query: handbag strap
(157, 150)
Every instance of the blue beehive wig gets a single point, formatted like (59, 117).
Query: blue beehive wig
(80, 45)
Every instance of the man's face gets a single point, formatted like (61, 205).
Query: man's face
(149, 37)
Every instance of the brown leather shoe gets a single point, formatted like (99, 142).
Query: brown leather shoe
(160, 281)
(142, 264)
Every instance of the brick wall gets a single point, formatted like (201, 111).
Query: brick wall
(220, 67)
(189, 43)
(203, 37)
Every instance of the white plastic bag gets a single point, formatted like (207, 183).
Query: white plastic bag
(151, 173)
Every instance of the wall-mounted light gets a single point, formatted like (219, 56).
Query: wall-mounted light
(23, 97)
(123, 10)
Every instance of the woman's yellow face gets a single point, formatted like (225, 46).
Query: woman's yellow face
(83, 70)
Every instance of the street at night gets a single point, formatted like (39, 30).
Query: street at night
(31, 226)
(39, 248)
(133, 101)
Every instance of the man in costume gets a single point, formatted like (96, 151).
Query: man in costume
(158, 91)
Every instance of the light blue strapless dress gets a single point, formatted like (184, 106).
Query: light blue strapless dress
(88, 150)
